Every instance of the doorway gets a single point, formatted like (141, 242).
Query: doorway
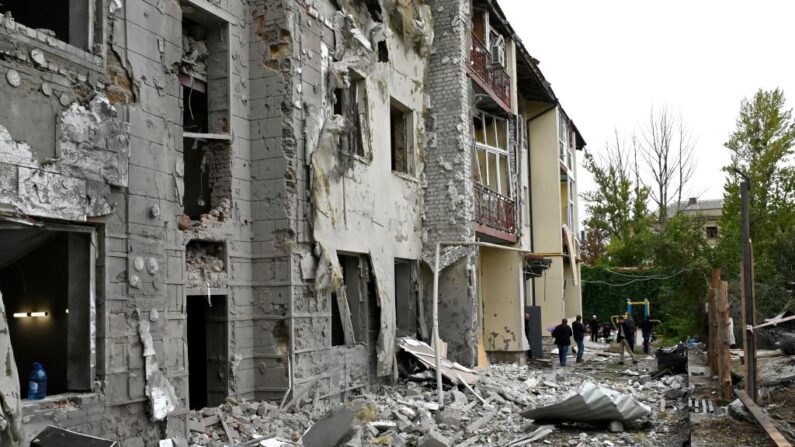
(208, 365)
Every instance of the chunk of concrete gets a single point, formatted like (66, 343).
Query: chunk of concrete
(674, 393)
(737, 410)
(434, 439)
(450, 416)
(331, 428)
(616, 427)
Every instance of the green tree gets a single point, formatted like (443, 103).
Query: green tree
(617, 209)
(761, 148)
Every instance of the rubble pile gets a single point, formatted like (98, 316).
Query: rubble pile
(407, 414)
(205, 267)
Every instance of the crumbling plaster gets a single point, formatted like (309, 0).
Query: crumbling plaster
(360, 205)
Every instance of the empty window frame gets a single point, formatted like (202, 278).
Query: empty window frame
(204, 77)
(712, 232)
(491, 144)
(401, 122)
(563, 138)
(351, 102)
(72, 21)
(47, 281)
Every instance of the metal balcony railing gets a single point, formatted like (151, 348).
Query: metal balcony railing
(494, 210)
(493, 75)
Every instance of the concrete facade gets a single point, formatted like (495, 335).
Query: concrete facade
(255, 190)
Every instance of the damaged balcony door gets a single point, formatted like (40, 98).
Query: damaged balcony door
(208, 357)
(363, 310)
(409, 313)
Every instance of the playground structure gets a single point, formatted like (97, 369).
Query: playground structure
(646, 312)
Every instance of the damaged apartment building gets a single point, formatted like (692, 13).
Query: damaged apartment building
(242, 198)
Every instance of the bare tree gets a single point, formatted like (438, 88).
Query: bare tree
(668, 152)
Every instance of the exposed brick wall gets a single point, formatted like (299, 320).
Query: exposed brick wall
(449, 210)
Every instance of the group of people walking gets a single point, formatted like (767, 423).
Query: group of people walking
(562, 334)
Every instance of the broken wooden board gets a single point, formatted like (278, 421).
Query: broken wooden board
(763, 419)
(424, 353)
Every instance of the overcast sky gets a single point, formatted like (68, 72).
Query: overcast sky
(609, 61)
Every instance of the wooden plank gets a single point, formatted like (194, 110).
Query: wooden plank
(775, 320)
(345, 316)
(724, 360)
(763, 419)
(223, 424)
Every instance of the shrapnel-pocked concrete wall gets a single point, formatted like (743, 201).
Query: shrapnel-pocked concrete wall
(262, 168)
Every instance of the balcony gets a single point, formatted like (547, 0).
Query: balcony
(495, 213)
(491, 76)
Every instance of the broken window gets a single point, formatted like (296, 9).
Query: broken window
(351, 102)
(204, 76)
(357, 316)
(408, 308)
(491, 144)
(47, 281)
(71, 21)
(712, 232)
(400, 126)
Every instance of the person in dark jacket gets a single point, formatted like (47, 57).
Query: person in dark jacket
(578, 329)
(646, 327)
(594, 325)
(606, 329)
(628, 331)
(562, 335)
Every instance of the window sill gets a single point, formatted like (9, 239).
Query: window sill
(57, 401)
(56, 52)
(406, 176)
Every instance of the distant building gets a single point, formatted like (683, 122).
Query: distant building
(708, 212)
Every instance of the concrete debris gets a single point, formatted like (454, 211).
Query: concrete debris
(159, 391)
(331, 429)
(434, 439)
(194, 57)
(672, 360)
(58, 437)
(592, 403)
(737, 410)
(405, 414)
(425, 355)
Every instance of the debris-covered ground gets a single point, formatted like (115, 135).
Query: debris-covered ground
(406, 414)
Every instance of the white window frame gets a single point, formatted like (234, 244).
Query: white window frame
(496, 151)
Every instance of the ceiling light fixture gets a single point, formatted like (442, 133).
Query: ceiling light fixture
(30, 314)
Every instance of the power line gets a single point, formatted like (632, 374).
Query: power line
(646, 278)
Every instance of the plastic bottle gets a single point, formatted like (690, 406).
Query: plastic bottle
(37, 383)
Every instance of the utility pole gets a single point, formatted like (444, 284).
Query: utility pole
(749, 339)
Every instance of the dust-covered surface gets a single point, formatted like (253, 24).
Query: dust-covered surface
(406, 414)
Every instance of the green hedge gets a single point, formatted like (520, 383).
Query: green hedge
(604, 300)
(676, 298)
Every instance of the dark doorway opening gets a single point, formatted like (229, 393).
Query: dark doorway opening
(208, 366)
